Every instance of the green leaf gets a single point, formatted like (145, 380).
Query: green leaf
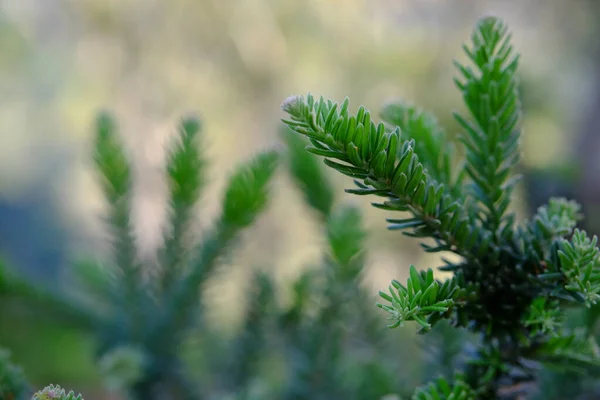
(406, 187)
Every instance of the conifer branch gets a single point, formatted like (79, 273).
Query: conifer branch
(385, 165)
(251, 342)
(116, 181)
(551, 222)
(423, 299)
(185, 173)
(511, 283)
(580, 264)
(492, 137)
(544, 317)
(317, 336)
(543, 236)
(245, 198)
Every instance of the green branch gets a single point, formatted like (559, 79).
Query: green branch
(492, 137)
(115, 173)
(423, 299)
(185, 173)
(245, 198)
(385, 165)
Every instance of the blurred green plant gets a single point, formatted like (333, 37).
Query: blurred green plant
(327, 327)
(140, 316)
(513, 282)
(13, 384)
(324, 339)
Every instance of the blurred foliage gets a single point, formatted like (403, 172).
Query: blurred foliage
(13, 384)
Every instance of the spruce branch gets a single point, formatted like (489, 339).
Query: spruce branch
(385, 165)
(185, 172)
(246, 196)
(551, 222)
(544, 317)
(510, 280)
(251, 342)
(580, 264)
(317, 335)
(560, 216)
(492, 137)
(115, 172)
(343, 263)
(247, 192)
(422, 298)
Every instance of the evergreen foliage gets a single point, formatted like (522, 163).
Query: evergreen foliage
(139, 317)
(13, 384)
(327, 326)
(251, 344)
(514, 281)
(518, 315)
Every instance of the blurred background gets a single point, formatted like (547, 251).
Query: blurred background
(232, 63)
